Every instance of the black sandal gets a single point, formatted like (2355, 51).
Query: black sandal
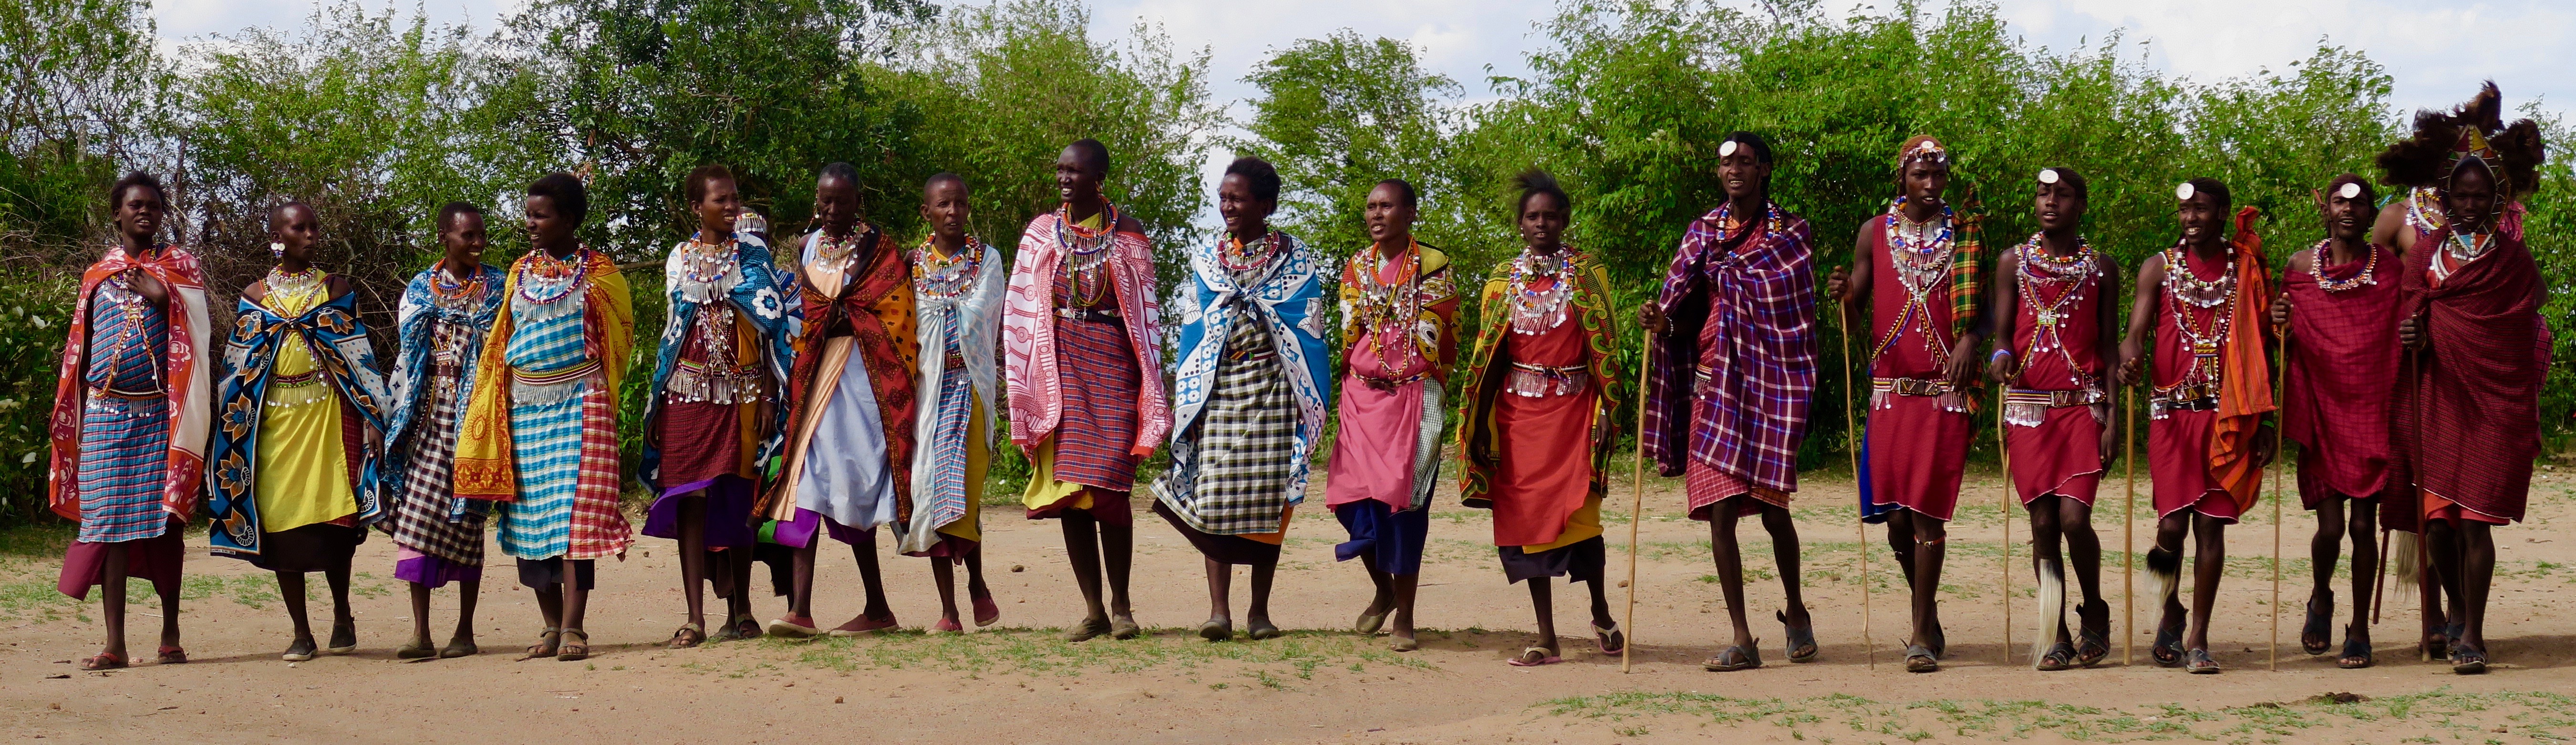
(2092, 640)
(1802, 642)
(2356, 648)
(2201, 663)
(2167, 650)
(2317, 636)
(1741, 657)
(2059, 657)
(2466, 661)
(1920, 659)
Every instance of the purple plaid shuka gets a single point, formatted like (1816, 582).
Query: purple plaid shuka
(1735, 369)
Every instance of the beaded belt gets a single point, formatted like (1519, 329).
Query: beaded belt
(1909, 386)
(698, 382)
(1533, 381)
(548, 386)
(2194, 397)
(102, 391)
(1256, 353)
(2025, 407)
(1094, 315)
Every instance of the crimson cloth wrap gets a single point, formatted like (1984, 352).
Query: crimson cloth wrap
(1534, 460)
(1918, 430)
(2059, 450)
(2466, 417)
(2341, 368)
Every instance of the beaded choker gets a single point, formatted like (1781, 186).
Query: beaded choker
(2368, 276)
(546, 283)
(2038, 267)
(1239, 258)
(942, 278)
(293, 290)
(2218, 296)
(1535, 310)
(1086, 250)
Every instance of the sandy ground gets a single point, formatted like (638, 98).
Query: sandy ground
(1015, 682)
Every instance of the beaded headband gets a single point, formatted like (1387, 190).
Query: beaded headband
(2474, 149)
(1926, 149)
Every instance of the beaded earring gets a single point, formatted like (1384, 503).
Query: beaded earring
(277, 249)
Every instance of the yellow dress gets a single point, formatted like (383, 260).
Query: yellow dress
(303, 464)
(979, 457)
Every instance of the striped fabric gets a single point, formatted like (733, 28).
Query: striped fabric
(426, 519)
(124, 442)
(1735, 371)
(1100, 381)
(567, 454)
(946, 499)
(1247, 440)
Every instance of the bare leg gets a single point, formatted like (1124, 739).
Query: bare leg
(344, 626)
(800, 589)
(467, 592)
(1082, 547)
(944, 576)
(2442, 540)
(1384, 601)
(290, 590)
(575, 599)
(1784, 551)
(2365, 560)
(1900, 542)
(2325, 549)
(2083, 545)
(739, 560)
(1258, 616)
(169, 613)
(420, 616)
(693, 556)
(2209, 562)
(2170, 532)
(1118, 553)
(872, 579)
(1546, 607)
(1220, 579)
(1400, 625)
(2477, 577)
(112, 605)
(1601, 607)
(1730, 567)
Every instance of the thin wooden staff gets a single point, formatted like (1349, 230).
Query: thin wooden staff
(2280, 383)
(1860, 526)
(1636, 505)
(2129, 526)
(2004, 510)
(2379, 576)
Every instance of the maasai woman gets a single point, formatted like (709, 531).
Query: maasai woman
(2467, 420)
(438, 537)
(1400, 325)
(957, 280)
(848, 464)
(2339, 299)
(710, 419)
(2052, 299)
(1918, 267)
(1254, 376)
(301, 406)
(2207, 439)
(1536, 430)
(131, 413)
(1733, 375)
(540, 432)
(1084, 362)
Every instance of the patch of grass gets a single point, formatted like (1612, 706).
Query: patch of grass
(2540, 715)
(1043, 651)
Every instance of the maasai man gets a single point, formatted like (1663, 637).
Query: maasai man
(847, 466)
(1254, 376)
(2051, 298)
(131, 414)
(2467, 420)
(2207, 439)
(1733, 375)
(1084, 364)
(540, 432)
(301, 408)
(710, 418)
(957, 281)
(438, 537)
(1400, 322)
(1536, 430)
(2339, 300)
(1918, 267)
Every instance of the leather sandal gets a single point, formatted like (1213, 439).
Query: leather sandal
(1739, 657)
(2356, 648)
(574, 651)
(549, 642)
(688, 636)
(172, 655)
(103, 661)
(2059, 657)
(1919, 659)
(1802, 641)
(2092, 640)
(2201, 663)
(2316, 636)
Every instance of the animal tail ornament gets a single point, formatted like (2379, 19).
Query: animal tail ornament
(2052, 610)
(2409, 570)
(2164, 575)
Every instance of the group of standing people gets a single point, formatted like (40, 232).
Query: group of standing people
(846, 383)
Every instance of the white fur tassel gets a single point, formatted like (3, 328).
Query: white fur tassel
(2163, 581)
(2052, 610)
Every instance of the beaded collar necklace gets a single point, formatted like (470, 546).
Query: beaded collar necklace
(2368, 276)
(544, 279)
(944, 278)
(1538, 311)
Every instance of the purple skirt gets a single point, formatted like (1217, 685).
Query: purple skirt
(728, 513)
(799, 533)
(430, 570)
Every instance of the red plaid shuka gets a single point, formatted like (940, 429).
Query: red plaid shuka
(1741, 307)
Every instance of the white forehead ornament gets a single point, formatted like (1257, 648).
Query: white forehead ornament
(2183, 193)
(2350, 190)
(2048, 175)
(1726, 149)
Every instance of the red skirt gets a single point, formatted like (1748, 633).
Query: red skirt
(2061, 456)
(700, 441)
(1917, 454)
(2178, 459)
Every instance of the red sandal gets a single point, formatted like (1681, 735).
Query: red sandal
(103, 661)
(172, 655)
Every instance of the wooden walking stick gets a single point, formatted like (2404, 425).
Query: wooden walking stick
(2280, 389)
(1636, 505)
(2004, 510)
(2128, 528)
(2379, 577)
(1860, 525)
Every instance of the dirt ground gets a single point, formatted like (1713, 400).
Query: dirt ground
(1015, 682)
